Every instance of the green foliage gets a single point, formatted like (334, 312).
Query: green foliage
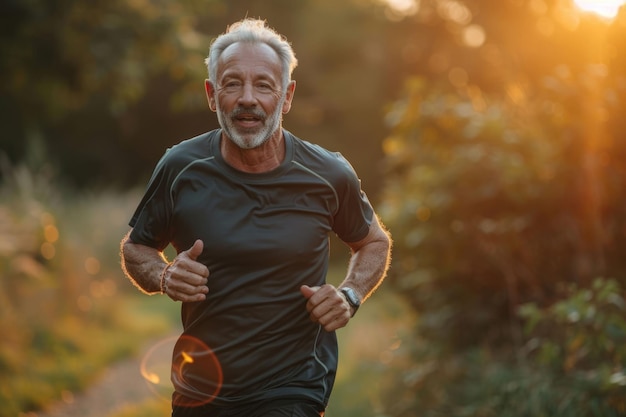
(73, 70)
(109, 85)
(571, 363)
(150, 408)
(63, 307)
(485, 387)
(476, 185)
(489, 193)
(501, 192)
(76, 50)
(583, 335)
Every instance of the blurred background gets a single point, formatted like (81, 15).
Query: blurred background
(490, 134)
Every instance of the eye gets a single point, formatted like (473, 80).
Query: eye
(231, 86)
(264, 87)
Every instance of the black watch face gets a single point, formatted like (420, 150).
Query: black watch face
(351, 296)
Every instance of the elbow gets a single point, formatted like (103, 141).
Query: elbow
(385, 239)
(389, 240)
(126, 251)
(388, 244)
(124, 245)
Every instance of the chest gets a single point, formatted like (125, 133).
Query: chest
(253, 221)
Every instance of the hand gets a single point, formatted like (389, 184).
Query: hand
(185, 278)
(326, 306)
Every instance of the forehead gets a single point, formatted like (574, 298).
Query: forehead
(244, 58)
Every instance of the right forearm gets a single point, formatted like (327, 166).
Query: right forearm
(143, 265)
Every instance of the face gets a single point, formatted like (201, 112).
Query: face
(248, 96)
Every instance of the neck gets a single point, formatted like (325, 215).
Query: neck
(264, 158)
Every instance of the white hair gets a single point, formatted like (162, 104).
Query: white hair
(252, 31)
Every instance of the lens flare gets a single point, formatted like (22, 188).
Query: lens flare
(156, 368)
(186, 358)
(178, 360)
(196, 372)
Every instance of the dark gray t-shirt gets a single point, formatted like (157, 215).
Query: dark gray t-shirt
(264, 236)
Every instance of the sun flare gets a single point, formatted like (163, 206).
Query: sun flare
(605, 8)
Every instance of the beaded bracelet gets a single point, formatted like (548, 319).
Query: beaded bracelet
(162, 286)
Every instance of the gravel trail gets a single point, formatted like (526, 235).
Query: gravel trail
(120, 385)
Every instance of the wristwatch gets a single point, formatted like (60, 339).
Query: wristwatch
(351, 298)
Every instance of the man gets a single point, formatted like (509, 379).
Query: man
(248, 208)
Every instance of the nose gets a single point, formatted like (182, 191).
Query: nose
(247, 97)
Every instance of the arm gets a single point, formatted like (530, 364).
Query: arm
(184, 279)
(369, 262)
(368, 267)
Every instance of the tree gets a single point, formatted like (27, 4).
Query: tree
(73, 69)
(105, 87)
(502, 190)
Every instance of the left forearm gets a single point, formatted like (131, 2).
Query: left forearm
(369, 262)
(367, 269)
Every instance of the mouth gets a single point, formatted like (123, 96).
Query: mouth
(248, 119)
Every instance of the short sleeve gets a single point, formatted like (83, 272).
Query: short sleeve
(151, 219)
(355, 213)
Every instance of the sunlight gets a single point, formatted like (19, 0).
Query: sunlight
(605, 8)
(401, 8)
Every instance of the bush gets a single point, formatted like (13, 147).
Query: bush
(570, 363)
(582, 340)
(493, 204)
(63, 313)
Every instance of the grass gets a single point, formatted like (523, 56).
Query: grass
(149, 408)
(65, 303)
(371, 351)
(70, 354)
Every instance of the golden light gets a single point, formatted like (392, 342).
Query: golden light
(397, 9)
(47, 250)
(605, 8)
(187, 358)
(92, 265)
(51, 233)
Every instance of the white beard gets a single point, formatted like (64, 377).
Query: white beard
(250, 139)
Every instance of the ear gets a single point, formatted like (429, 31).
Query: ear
(210, 94)
(291, 89)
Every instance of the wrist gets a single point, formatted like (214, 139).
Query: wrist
(162, 282)
(352, 298)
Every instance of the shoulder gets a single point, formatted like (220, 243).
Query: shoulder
(196, 147)
(326, 163)
(188, 150)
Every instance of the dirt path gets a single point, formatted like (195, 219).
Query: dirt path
(120, 385)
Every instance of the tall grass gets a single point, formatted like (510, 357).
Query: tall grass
(64, 311)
